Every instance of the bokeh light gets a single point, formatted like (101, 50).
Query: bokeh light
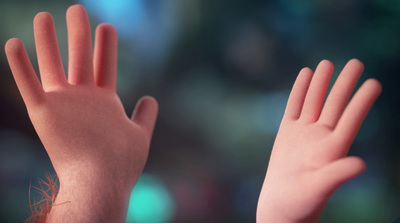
(150, 201)
(221, 72)
(125, 15)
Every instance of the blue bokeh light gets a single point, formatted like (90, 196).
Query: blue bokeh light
(125, 15)
(150, 202)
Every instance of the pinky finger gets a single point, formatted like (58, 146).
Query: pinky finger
(28, 83)
(357, 110)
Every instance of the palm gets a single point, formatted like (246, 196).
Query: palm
(308, 160)
(86, 115)
(297, 158)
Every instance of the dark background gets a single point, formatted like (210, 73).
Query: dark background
(222, 72)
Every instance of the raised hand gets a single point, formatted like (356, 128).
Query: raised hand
(97, 152)
(309, 159)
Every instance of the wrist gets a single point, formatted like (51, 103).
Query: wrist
(275, 205)
(89, 197)
(92, 175)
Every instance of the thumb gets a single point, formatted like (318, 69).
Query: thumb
(340, 171)
(145, 114)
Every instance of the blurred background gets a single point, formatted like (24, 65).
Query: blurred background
(222, 72)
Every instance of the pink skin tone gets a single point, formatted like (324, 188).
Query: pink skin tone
(309, 159)
(97, 152)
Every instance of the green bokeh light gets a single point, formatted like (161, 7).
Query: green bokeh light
(150, 202)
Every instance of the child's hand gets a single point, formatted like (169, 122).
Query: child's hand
(309, 158)
(97, 152)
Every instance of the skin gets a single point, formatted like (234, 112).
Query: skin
(309, 158)
(97, 151)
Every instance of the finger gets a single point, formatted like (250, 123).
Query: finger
(356, 111)
(80, 66)
(298, 94)
(145, 114)
(316, 92)
(341, 93)
(49, 59)
(105, 56)
(338, 172)
(28, 84)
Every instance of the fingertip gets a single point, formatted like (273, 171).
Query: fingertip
(305, 75)
(326, 62)
(305, 70)
(356, 61)
(149, 102)
(106, 27)
(352, 167)
(358, 164)
(12, 44)
(42, 16)
(355, 65)
(13, 47)
(325, 66)
(42, 23)
(374, 85)
(75, 12)
(107, 30)
(76, 8)
(145, 114)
